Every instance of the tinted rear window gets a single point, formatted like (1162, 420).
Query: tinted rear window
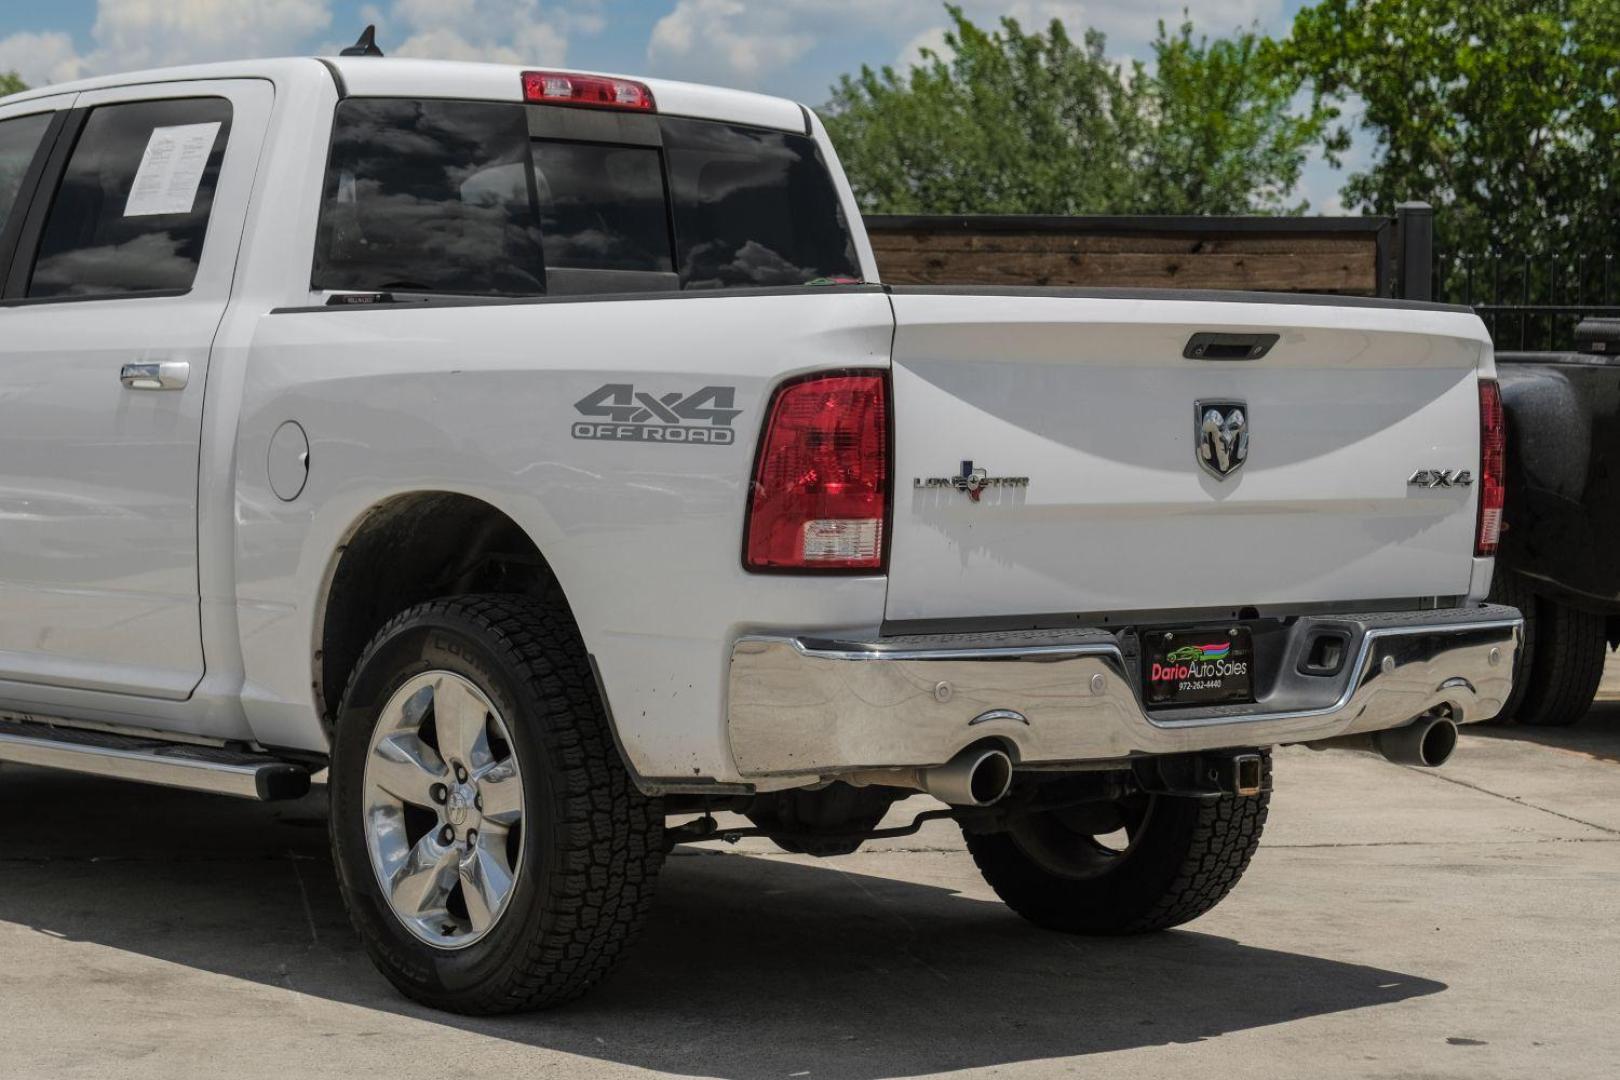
(433, 196)
(457, 197)
(753, 207)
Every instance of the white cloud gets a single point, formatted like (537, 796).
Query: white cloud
(132, 34)
(1031, 15)
(1035, 13)
(156, 32)
(932, 39)
(747, 42)
(502, 31)
(41, 59)
(728, 36)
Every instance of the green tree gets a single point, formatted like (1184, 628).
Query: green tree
(11, 84)
(1222, 134)
(1009, 121)
(1502, 113)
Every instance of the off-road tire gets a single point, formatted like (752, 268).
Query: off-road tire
(593, 844)
(1560, 663)
(1192, 853)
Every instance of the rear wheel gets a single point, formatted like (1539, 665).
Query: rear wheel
(490, 846)
(1144, 863)
(1560, 663)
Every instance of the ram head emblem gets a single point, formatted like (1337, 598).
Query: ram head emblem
(1221, 436)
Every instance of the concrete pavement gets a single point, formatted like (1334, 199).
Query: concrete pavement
(1396, 923)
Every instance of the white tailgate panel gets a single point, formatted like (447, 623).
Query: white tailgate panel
(1093, 401)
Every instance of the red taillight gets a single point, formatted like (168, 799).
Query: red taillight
(1492, 468)
(820, 497)
(593, 91)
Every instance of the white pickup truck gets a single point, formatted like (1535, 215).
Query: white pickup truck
(538, 456)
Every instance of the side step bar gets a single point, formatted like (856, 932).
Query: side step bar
(212, 769)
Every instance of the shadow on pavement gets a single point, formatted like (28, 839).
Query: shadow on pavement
(1597, 734)
(753, 966)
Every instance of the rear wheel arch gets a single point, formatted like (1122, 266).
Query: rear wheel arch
(410, 548)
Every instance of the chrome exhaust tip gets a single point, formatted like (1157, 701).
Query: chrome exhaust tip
(975, 777)
(978, 776)
(1426, 742)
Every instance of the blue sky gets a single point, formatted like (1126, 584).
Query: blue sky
(792, 47)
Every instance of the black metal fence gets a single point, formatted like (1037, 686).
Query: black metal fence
(1531, 301)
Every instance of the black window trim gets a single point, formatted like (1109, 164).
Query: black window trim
(347, 95)
(19, 260)
(401, 302)
(105, 298)
(559, 123)
(22, 211)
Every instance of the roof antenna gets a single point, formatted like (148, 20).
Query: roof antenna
(366, 46)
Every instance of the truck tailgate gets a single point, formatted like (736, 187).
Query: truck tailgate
(1092, 400)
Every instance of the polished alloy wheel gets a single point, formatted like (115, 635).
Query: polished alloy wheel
(443, 809)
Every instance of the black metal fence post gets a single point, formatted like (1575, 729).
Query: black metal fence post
(1414, 224)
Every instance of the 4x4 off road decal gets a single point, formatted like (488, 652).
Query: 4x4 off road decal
(633, 415)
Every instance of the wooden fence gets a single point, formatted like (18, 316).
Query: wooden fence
(1348, 255)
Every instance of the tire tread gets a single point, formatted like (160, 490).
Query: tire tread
(1198, 868)
(608, 845)
(1561, 659)
(1224, 841)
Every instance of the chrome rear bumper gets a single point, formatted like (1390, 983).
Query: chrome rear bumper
(802, 707)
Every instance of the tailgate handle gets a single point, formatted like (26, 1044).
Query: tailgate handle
(1228, 346)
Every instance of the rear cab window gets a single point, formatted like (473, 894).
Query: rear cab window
(485, 198)
(429, 196)
(753, 208)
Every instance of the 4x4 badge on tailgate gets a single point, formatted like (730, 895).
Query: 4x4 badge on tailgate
(1441, 478)
(1221, 436)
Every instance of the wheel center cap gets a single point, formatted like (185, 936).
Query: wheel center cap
(458, 808)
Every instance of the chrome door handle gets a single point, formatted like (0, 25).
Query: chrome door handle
(166, 375)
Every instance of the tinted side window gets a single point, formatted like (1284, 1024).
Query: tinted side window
(132, 211)
(602, 207)
(431, 196)
(19, 140)
(753, 207)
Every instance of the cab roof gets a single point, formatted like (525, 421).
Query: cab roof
(388, 76)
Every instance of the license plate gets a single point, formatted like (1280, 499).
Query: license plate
(1212, 666)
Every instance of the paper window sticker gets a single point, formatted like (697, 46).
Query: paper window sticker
(171, 170)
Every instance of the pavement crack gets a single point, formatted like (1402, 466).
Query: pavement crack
(898, 916)
(1436, 775)
(303, 894)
